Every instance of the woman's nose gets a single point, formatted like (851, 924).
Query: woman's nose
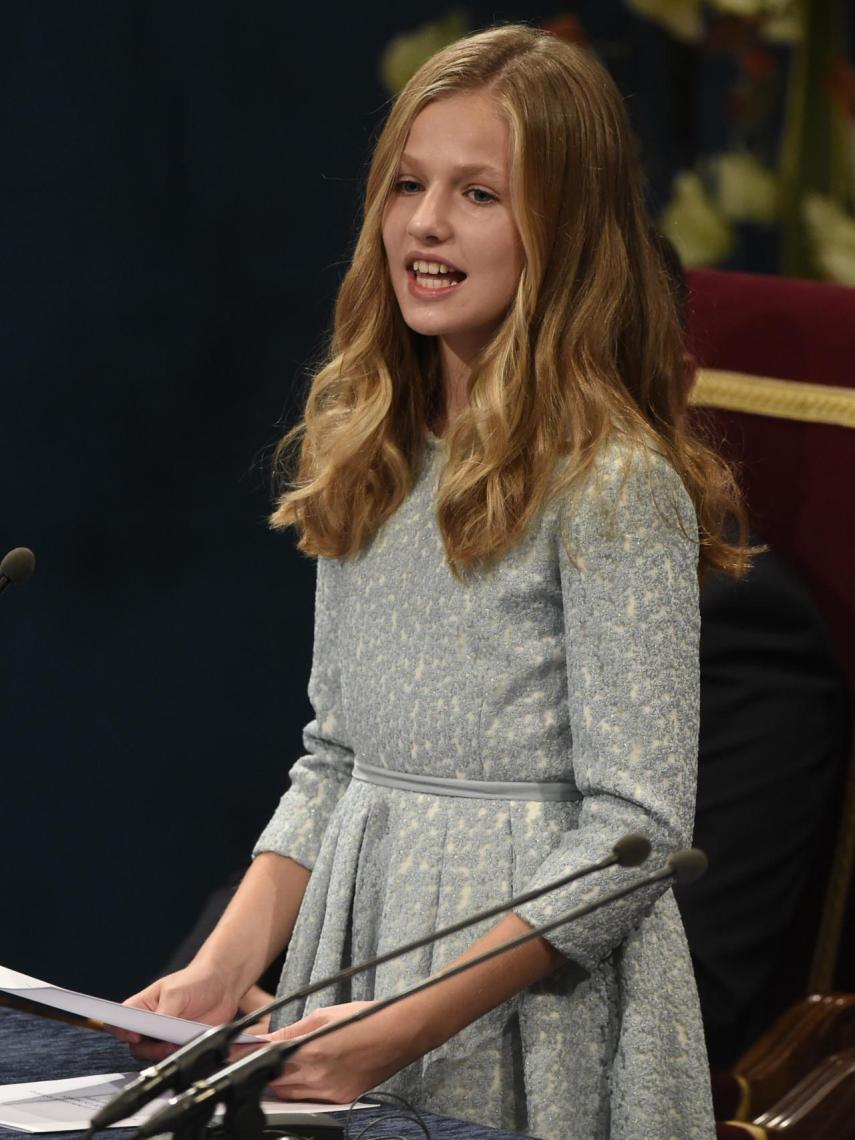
(430, 219)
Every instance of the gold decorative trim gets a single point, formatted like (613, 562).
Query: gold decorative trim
(743, 1110)
(766, 396)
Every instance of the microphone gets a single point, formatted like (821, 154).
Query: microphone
(16, 566)
(244, 1080)
(208, 1052)
(687, 865)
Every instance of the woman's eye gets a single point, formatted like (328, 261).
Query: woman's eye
(404, 185)
(485, 196)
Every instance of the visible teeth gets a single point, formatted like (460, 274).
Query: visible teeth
(434, 283)
(432, 267)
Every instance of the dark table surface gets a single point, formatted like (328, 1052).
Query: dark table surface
(33, 1049)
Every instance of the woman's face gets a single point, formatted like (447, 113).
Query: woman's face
(450, 210)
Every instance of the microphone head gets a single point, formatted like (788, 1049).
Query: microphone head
(631, 850)
(687, 865)
(18, 564)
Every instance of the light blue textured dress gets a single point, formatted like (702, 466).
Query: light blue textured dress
(541, 669)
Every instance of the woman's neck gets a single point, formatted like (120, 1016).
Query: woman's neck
(455, 388)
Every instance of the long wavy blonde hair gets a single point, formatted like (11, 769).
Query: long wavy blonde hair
(591, 345)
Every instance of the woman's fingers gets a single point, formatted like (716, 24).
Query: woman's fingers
(148, 998)
(334, 1067)
(256, 998)
(142, 1000)
(238, 1051)
(192, 993)
(147, 1049)
(315, 1020)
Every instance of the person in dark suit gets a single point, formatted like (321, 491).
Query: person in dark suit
(774, 732)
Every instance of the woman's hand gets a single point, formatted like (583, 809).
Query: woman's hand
(340, 1067)
(256, 998)
(195, 993)
(349, 1062)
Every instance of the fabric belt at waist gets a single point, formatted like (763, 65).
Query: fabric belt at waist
(544, 791)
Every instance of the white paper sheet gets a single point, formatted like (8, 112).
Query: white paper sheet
(176, 1030)
(68, 1105)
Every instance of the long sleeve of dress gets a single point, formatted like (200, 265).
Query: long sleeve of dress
(632, 627)
(320, 777)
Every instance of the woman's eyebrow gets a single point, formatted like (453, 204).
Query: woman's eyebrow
(464, 168)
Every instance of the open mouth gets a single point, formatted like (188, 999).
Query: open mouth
(435, 276)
